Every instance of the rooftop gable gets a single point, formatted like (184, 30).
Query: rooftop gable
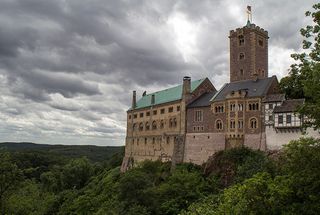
(289, 106)
(254, 88)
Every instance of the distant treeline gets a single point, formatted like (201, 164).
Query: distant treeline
(93, 153)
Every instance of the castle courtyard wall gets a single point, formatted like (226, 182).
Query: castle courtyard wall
(200, 146)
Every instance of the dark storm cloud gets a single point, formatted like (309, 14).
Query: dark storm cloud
(69, 67)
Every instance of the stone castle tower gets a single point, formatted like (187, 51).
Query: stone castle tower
(248, 53)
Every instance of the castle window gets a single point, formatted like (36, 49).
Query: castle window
(154, 112)
(233, 107)
(254, 106)
(161, 124)
(141, 115)
(241, 72)
(178, 108)
(219, 109)
(270, 118)
(194, 128)
(270, 106)
(253, 123)
(147, 126)
(154, 125)
(162, 111)
(134, 126)
(232, 124)
(141, 126)
(153, 140)
(174, 122)
(240, 124)
(135, 116)
(289, 119)
(170, 123)
(262, 73)
(168, 139)
(170, 110)
(241, 40)
(145, 140)
(129, 116)
(198, 116)
(219, 125)
(280, 119)
(260, 42)
(240, 107)
(241, 56)
(148, 113)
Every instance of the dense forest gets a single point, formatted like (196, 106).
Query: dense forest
(235, 181)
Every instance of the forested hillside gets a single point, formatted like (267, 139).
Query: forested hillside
(236, 181)
(93, 153)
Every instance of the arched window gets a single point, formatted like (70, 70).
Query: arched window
(253, 123)
(154, 125)
(174, 122)
(147, 126)
(219, 125)
(241, 72)
(141, 126)
(241, 56)
(161, 124)
(170, 123)
(241, 40)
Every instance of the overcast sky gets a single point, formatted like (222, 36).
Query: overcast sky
(68, 67)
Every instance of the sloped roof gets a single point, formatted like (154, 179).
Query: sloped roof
(203, 100)
(274, 98)
(253, 88)
(167, 95)
(288, 106)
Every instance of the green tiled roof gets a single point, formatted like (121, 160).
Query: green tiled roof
(167, 95)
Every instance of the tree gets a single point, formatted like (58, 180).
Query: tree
(10, 175)
(304, 77)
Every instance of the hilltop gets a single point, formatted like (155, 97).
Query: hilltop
(93, 153)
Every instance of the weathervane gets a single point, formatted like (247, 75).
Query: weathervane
(249, 12)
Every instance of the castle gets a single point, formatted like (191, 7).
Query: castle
(192, 121)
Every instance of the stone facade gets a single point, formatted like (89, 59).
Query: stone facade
(192, 121)
(248, 53)
(157, 131)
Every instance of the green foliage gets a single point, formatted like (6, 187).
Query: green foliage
(29, 199)
(304, 77)
(294, 189)
(236, 165)
(10, 176)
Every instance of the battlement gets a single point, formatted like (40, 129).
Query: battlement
(249, 27)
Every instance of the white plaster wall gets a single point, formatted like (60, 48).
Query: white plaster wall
(277, 140)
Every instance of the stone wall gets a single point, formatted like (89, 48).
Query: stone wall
(255, 141)
(277, 138)
(200, 146)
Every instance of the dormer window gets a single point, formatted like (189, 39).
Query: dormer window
(241, 40)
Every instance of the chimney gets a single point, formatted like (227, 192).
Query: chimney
(134, 99)
(186, 87)
(153, 99)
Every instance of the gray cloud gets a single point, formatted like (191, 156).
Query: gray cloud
(67, 68)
